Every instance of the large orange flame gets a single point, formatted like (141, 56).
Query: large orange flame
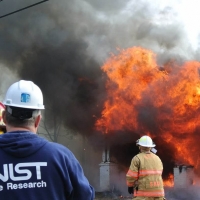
(168, 96)
(170, 181)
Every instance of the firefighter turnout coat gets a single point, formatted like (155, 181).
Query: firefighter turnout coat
(146, 168)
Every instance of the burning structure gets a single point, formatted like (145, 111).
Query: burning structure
(163, 102)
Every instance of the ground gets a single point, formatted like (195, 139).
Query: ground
(110, 196)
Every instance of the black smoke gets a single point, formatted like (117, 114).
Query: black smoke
(61, 46)
(70, 81)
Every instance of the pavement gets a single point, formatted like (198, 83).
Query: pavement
(110, 196)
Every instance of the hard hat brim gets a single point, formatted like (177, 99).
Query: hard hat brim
(153, 145)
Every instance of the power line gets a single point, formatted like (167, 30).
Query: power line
(22, 9)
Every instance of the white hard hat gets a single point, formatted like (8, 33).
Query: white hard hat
(145, 141)
(24, 94)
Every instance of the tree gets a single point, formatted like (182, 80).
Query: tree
(52, 127)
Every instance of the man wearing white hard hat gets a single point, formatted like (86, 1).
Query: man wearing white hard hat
(33, 168)
(145, 173)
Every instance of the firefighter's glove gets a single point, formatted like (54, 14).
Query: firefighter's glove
(130, 190)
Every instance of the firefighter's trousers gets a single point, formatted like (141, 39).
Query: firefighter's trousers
(148, 198)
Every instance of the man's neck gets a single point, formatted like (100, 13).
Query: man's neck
(142, 151)
(13, 129)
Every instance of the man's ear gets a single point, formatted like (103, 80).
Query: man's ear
(37, 121)
(4, 117)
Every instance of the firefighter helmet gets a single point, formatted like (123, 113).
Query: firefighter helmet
(24, 94)
(145, 141)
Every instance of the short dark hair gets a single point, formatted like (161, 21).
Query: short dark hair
(16, 122)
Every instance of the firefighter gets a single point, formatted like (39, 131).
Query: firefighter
(31, 166)
(2, 125)
(145, 173)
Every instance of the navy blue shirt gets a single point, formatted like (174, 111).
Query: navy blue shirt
(32, 168)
